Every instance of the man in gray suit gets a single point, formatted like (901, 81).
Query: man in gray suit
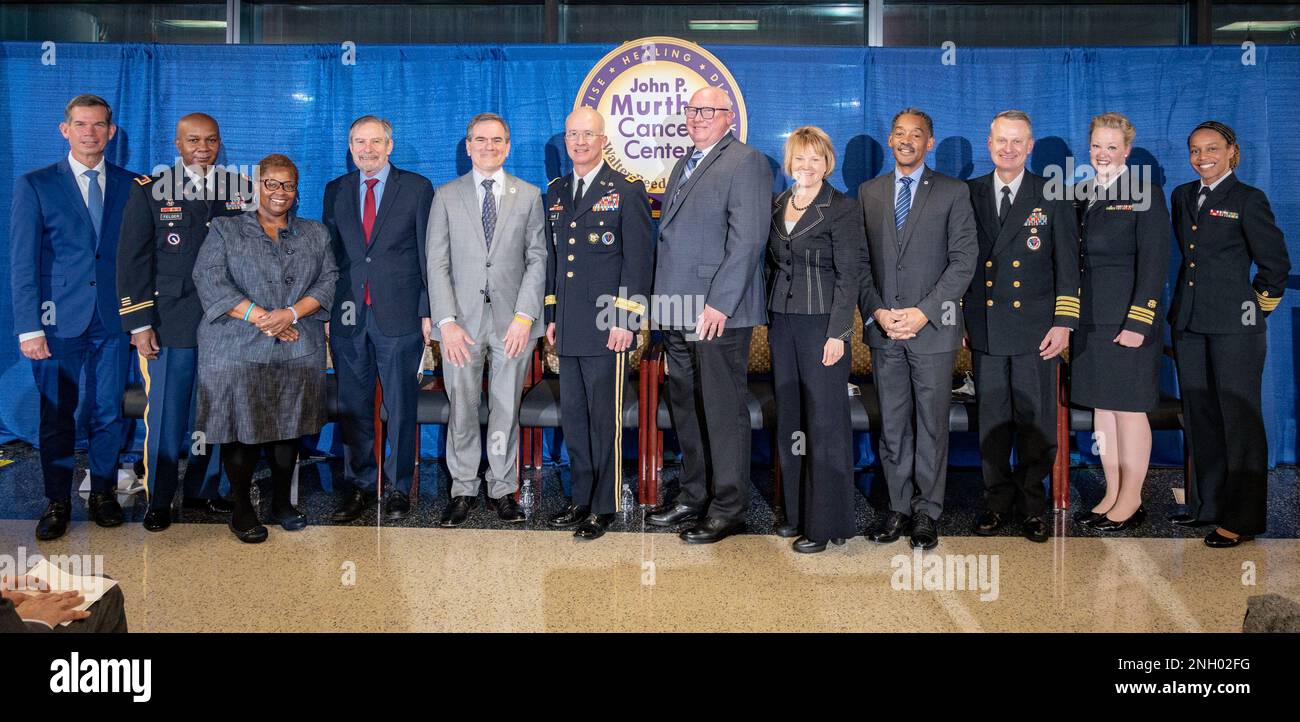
(921, 251)
(487, 273)
(708, 296)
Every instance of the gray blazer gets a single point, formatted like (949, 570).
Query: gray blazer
(929, 267)
(712, 236)
(238, 261)
(462, 271)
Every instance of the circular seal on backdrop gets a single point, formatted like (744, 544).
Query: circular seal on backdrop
(173, 239)
(607, 238)
(642, 88)
(1034, 243)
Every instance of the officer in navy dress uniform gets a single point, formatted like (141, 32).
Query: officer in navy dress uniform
(164, 224)
(1220, 337)
(598, 274)
(1115, 356)
(1020, 310)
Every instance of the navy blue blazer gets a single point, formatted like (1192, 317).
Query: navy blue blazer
(55, 256)
(393, 263)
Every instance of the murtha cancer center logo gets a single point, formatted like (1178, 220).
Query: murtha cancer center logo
(642, 88)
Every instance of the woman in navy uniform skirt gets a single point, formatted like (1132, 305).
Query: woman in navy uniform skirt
(1115, 355)
(1220, 339)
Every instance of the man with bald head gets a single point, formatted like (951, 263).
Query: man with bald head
(597, 280)
(709, 295)
(165, 222)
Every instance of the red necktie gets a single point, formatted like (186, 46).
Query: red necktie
(368, 220)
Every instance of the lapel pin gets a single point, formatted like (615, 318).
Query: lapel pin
(512, 189)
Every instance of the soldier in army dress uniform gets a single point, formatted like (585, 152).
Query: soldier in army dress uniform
(598, 275)
(164, 224)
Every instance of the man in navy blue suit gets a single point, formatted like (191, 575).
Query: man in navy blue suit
(63, 263)
(377, 216)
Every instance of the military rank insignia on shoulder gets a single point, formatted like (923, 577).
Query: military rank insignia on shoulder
(552, 182)
(144, 180)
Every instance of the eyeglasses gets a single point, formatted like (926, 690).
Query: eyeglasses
(272, 184)
(586, 135)
(482, 142)
(705, 113)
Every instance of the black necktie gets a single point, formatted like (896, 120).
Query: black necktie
(577, 195)
(1200, 197)
(1005, 206)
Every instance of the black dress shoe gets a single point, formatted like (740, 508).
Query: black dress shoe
(1215, 540)
(289, 519)
(1035, 529)
(396, 505)
(54, 522)
(711, 530)
(1188, 520)
(211, 506)
(1088, 518)
(457, 511)
(673, 515)
(1108, 524)
(157, 519)
(573, 515)
(593, 527)
(787, 531)
(506, 508)
(353, 504)
(804, 545)
(989, 522)
(104, 509)
(895, 526)
(924, 534)
(255, 535)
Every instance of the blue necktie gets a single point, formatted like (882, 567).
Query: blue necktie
(691, 162)
(489, 211)
(903, 204)
(95, 201)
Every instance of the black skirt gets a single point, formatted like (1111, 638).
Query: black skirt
(1106, 375)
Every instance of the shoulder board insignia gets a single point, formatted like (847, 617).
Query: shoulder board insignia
(144, 180)
(548, 185)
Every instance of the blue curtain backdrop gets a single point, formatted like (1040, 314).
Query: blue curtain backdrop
(299, 100)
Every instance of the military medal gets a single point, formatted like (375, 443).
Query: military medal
(592, 238)
(1034, 243)
(607, 238)
(173, 239)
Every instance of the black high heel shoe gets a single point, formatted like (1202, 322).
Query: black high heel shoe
(1088, 518)
(1108, 524)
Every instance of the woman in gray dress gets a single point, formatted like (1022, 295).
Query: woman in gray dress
(266, 281)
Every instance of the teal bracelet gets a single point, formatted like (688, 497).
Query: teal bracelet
(251, 306)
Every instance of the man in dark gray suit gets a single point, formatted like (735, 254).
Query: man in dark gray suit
(708, 295)
(921, 250)
(487, 274)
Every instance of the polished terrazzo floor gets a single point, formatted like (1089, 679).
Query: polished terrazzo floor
(197, 577)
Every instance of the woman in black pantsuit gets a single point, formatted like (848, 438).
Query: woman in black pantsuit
(814, 249)
(1220, 338)
(1115, 355)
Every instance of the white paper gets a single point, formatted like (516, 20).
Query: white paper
(60, 581)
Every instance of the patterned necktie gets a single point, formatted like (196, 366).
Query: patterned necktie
(489, 211)
(903, 204)
(1005, 207)
(691, 162)
(95, 202)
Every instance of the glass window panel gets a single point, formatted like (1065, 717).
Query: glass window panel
(1273, 24)
(716, 23)
(931, 24)
(114, 22)
(518, 22)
